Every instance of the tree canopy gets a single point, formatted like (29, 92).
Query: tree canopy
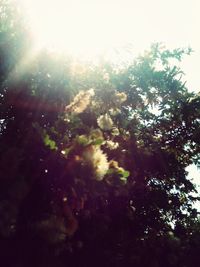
(93, 157)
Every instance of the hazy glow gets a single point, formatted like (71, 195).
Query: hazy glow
(90, 27)
(77, 27)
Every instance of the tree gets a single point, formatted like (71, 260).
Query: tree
(93, 159)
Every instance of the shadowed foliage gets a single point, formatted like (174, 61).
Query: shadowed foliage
(93, 157)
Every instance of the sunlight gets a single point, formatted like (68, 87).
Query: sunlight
(89, 28)
(77, 27)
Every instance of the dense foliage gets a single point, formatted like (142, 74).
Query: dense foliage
(93, 158)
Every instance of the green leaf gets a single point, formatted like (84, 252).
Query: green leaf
(50, 143)
(98, 141)
(126, 174)
(82, 140)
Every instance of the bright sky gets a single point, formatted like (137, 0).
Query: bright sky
(89, 27)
